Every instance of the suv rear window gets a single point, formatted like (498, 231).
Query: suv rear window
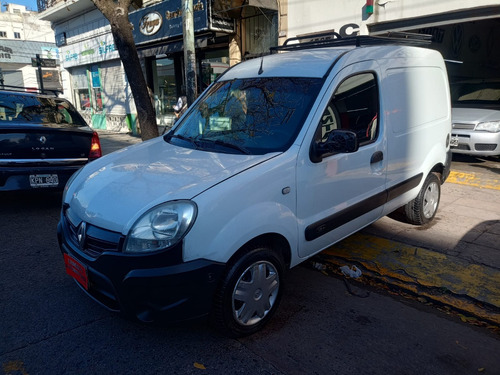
(27, 109)
(250, 116)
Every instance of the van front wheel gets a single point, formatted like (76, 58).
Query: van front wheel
(423, 208)
(249, 294)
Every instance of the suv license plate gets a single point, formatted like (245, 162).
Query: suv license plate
(454, 142)
(44, 180)
(76, 270)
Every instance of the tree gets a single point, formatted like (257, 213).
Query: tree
(116, 12)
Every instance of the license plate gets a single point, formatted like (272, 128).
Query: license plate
(44, 180)
(76, 270)
(454, 142)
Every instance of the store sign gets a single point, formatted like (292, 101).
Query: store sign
(150, 24)
(163, 20)
(90, 51)
(5, 52)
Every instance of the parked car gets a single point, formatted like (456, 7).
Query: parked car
(43, 140)
(279, 159)
(476, 117)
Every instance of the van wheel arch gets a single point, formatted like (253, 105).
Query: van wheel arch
(250, 290)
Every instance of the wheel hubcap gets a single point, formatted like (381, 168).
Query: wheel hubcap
(255, 293)
(431, 200)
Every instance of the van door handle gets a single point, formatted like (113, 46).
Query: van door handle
(376, 157)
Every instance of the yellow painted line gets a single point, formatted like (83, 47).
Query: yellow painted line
(473, 179)
(439, 277)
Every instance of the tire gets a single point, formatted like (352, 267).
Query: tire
(249, 293)
(423, 208)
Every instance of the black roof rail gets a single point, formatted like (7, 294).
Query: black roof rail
(333, 39)
(33, 90)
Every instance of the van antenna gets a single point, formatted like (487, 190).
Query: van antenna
(261, 70)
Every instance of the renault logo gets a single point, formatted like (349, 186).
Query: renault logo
(82, 234)
(42, 140)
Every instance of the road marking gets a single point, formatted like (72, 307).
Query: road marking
(473, 179)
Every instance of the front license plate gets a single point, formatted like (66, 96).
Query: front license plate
(454, 142)
(76, 270)
(44, 180)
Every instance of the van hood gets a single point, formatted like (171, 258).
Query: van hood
(113, 191)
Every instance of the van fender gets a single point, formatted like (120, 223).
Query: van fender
(220, 243)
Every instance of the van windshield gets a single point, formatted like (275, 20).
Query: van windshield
(248, 116)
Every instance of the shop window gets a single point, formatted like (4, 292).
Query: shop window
(83, 99)
(214, 64)
(166, 93)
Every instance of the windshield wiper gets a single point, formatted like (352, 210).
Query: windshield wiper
(243, 150)
(222, 143)
(184, 138)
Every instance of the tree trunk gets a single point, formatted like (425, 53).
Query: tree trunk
(116, 11)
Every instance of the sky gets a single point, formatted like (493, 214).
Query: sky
(29, 4)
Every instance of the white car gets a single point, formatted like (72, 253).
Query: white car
(476, 117)
(279, 159)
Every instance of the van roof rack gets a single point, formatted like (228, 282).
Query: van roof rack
(333, 39)
(31, 90)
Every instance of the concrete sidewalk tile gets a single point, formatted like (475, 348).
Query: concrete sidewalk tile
(443, 278)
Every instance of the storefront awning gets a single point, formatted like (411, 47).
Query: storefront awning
(170, 47)
(233, 8)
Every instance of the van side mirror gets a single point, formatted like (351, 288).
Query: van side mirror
(338, 141)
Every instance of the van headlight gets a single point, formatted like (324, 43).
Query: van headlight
(161, 227)
(490, 126)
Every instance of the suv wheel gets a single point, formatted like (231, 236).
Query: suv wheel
(250, 293)
(423, 208)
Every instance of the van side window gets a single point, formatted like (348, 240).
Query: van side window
(353, 106)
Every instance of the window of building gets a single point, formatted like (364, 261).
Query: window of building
(17, 35)
(81, 88)
(167, 89)
(3, 34)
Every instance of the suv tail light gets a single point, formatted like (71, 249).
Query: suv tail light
(95, 147)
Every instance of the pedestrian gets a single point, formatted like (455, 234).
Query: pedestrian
(181, 106)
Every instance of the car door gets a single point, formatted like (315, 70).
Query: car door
(343, 192)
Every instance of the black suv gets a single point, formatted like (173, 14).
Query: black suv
(43, 140)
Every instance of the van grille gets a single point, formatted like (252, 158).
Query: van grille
(97, 240)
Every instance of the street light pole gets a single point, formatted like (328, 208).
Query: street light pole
(189, 50)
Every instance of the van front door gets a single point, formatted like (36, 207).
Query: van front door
(343, 192)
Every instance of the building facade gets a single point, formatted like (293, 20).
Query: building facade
(226, 31)
(466, 32)
(22, 37)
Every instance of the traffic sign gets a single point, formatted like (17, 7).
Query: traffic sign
(44, 63)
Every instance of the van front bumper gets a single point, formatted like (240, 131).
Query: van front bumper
(146, 287)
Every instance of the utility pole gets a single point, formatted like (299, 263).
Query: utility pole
(189, 50)
(40, 74)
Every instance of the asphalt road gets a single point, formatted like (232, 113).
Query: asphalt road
(48, 326)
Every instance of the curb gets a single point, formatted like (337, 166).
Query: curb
(448, 280)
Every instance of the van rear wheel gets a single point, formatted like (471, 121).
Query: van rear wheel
(250, 293)
(423, 208)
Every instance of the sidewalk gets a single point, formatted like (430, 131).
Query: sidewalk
(454, 261)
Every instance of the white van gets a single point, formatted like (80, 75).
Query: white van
(279, 159)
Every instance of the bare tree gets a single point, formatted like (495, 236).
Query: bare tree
(116, 11)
